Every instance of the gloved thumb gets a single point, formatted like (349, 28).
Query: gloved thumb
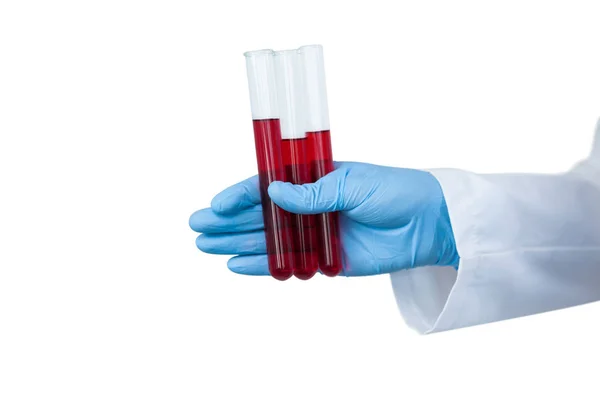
(325, 195)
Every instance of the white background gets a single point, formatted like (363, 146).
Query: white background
(118, 119)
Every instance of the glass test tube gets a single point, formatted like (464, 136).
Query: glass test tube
(267, 140)
(319, 151)
(295, 160)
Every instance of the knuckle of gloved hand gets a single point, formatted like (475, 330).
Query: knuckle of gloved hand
(216, 205)
(338, 202)
(312, 197)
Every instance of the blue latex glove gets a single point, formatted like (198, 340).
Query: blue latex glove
(391, 219)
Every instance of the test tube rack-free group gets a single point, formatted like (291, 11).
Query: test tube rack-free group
(290, 116)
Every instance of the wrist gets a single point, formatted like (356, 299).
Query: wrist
(445, 244)
(448, 254)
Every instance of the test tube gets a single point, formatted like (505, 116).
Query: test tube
(267, 140)
(316, 120)
(295, 158)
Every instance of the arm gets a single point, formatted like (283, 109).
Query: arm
(527, 244)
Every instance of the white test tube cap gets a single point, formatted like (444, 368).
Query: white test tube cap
(289, 94)
(261, 83)
(315, 89)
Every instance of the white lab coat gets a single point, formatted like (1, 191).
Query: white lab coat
(527, 243)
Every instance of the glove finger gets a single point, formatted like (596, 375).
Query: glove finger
(237, 197)
(207, 221)
(233, 243)
(249, 265)
(325, 195)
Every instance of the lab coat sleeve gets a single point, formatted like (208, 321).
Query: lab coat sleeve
(527, 244)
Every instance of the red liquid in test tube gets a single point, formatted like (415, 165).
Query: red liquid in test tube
(320, 154)
(295, 159)
(278, 223)
(321, 162)
(267, 140)
(297, 171)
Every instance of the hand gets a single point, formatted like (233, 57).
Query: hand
(391, 219)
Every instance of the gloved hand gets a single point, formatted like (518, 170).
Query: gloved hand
(391, 219)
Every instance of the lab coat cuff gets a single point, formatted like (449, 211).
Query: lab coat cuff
(430, 298)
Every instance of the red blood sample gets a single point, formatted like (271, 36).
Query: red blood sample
(297, 171)
(321, 162)
(278, 223)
